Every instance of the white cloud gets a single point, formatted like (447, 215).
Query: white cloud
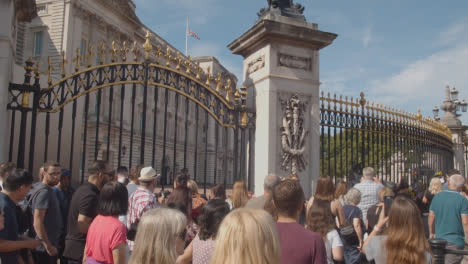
(422, 83)
(367, 36)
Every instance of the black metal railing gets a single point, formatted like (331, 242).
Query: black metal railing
(439, 250)
(163, 110)
(356, 133)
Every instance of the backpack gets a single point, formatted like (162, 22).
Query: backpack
(25, 215)
(347, 231)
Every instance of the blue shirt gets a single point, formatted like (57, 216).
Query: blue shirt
(10, 232)
(448, 207)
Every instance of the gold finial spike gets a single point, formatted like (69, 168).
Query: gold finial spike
(50, 68)
(101, 52)
(243, 94)
(189, 65)
(237, 95)
(135, 51)
(158, 54)
(228, 90)
(208, 76)
(362, 101)
(124, 50)
(219, 83)
(62, 64)
(38, 66)
(199, 71)
(147, 46)
(114, 51)
(419, 115)
(178, 60)
(77, 60)
(168, 56)
(89, 55)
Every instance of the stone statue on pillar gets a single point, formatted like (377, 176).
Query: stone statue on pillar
(283, 8)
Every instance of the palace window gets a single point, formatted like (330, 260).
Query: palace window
(42, 9)
(38, 40)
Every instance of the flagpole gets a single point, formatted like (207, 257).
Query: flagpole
(186, 38)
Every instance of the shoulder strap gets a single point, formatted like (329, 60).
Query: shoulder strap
(349, 216)
(35, 193)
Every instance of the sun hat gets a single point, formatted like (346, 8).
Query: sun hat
(147, 174)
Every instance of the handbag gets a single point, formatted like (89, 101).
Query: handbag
(347, 231)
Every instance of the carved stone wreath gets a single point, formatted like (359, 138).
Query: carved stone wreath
(293, 135)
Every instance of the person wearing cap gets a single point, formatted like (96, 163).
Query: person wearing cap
(142, 199)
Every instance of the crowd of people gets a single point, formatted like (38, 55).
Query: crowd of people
(121, 217)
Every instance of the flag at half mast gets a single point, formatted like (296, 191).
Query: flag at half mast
(193, 34)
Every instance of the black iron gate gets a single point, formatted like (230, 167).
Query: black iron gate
(356, 133)
(163, 111)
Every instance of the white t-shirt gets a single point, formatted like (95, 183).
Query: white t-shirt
(333, 241)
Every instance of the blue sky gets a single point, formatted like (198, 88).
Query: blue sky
(400, 53)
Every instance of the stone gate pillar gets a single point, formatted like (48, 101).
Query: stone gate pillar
(281, 72)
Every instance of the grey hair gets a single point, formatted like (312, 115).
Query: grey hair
(456, 180)
(270, 182)
(368, 173)
(353, 196)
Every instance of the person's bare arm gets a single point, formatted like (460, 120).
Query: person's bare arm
(465, 226)
(84, 255)
(10, 246)
(358, 229)
(39, 227)
(83, 223)
(119, 254)
(430, 223)
(337, 254)
(186, 258)
(339, 212)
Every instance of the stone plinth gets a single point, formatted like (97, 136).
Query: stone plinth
(281, 60)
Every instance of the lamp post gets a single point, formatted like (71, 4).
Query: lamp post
(453, 108)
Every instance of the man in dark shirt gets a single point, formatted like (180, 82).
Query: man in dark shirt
(16, 186)
(47, 215)
(83, 210)
(298, 245)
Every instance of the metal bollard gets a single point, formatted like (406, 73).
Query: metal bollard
(438, 249)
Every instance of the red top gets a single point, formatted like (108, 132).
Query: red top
(104, 234)
(300, 245)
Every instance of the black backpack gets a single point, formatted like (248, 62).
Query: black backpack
(24, 213)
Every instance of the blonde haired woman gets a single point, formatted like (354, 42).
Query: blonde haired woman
(160, 237)
(435, 187)
(240, 195)
(247, 236)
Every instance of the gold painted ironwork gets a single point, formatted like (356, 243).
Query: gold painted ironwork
(63, 64)
(123, 51)
(50, 68)
(147, 46)
(135, 51)
(228, 90)
(101, 52)
(114, 51)
(168, 56)
(208, 76)
(362, 108)
(219, 83)
(89, 55)
(77, 60)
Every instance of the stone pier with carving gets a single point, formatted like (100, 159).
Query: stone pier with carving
(281, 72)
